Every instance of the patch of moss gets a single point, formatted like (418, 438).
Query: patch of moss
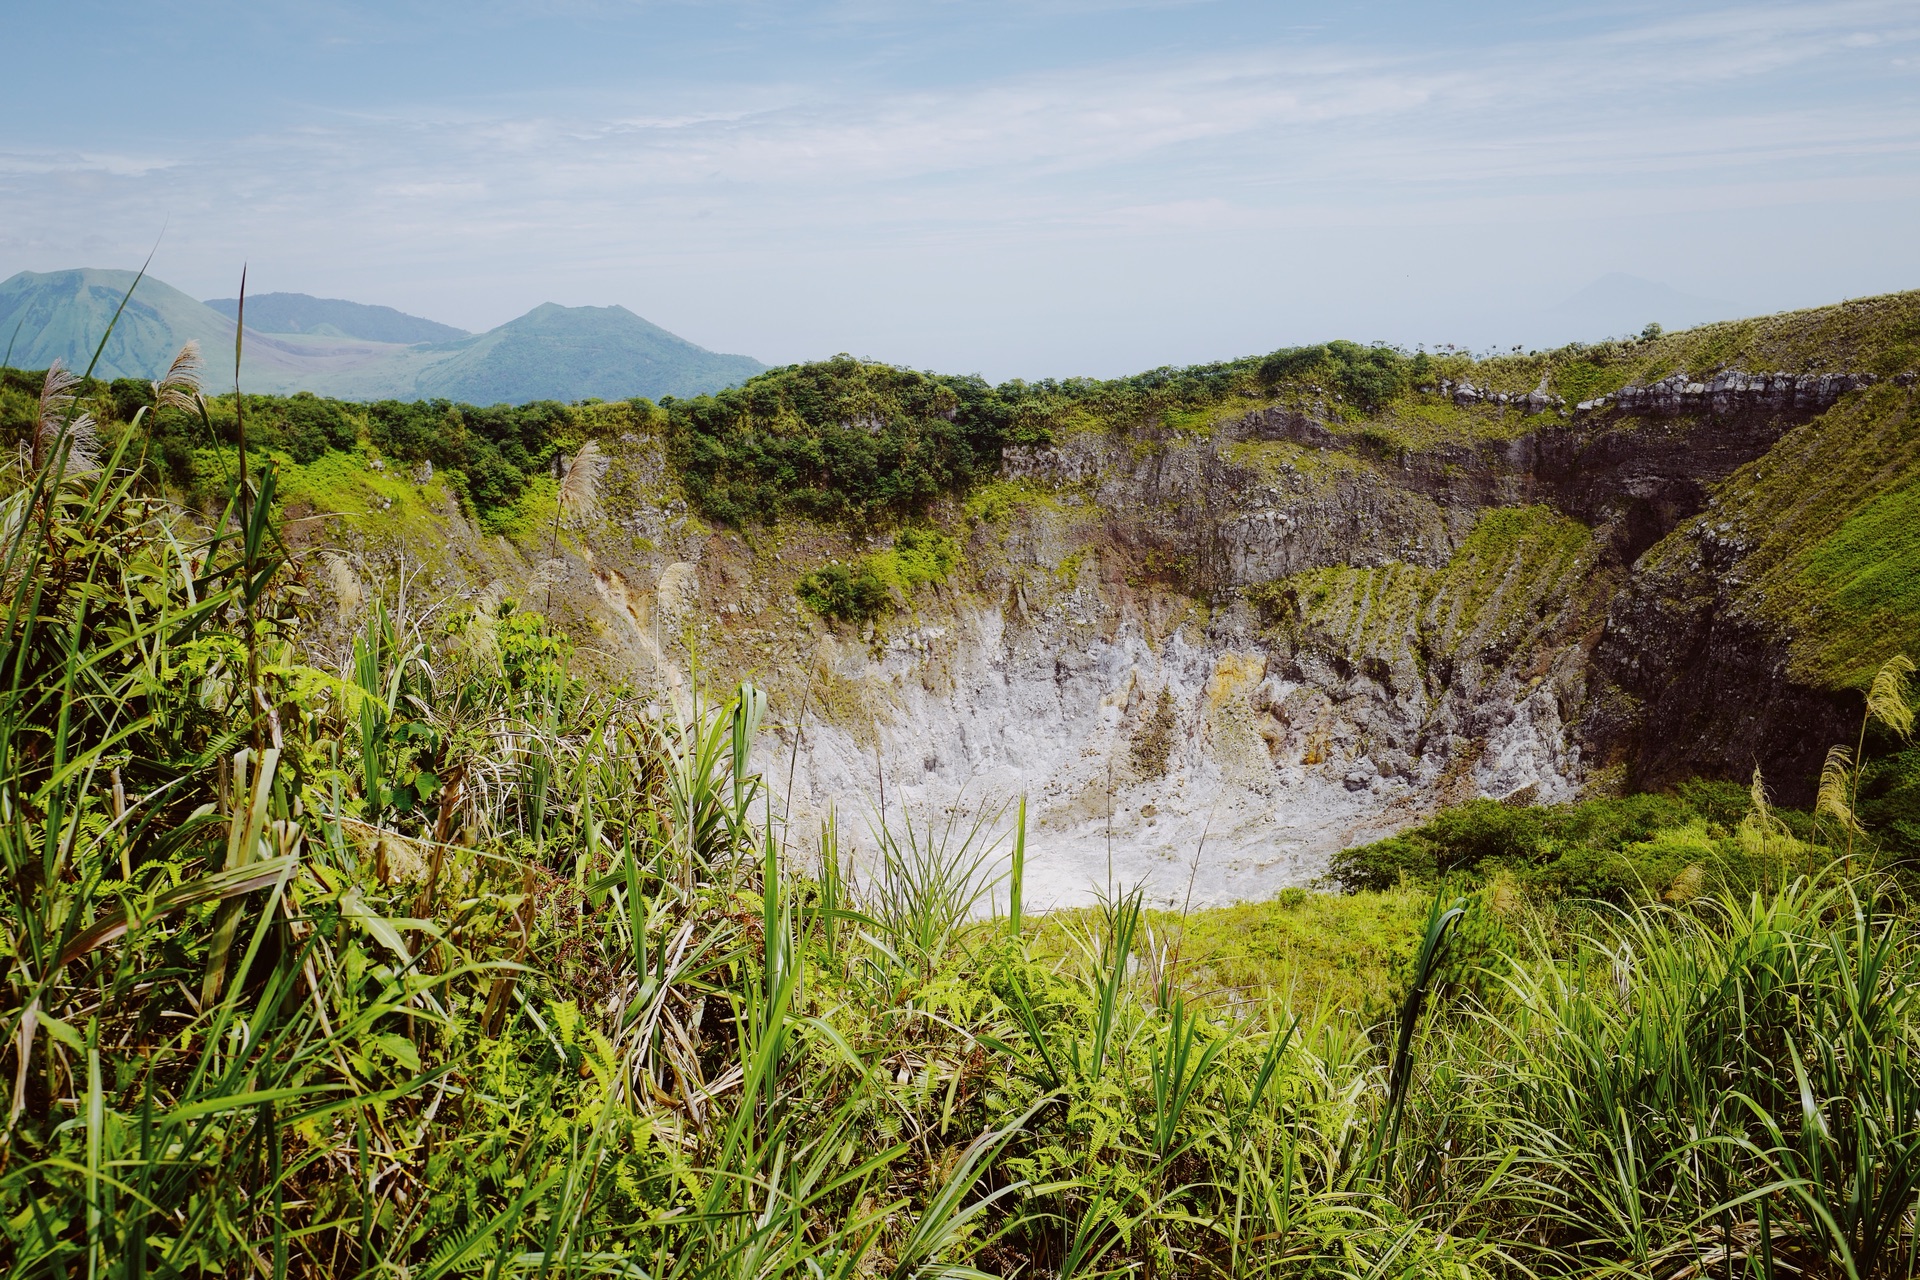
(1869, 572)
(1580, 379)
(1279, 461)
(345, 484)
(1879, 335)
(531, 513)
(1505, 577)
(1420, 423)
(1200, 420)
(1362, 612)
(997, 501)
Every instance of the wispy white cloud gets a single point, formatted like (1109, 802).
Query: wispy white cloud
(33, 163)
(1731, 111)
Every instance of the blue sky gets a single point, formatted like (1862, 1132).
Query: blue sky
(1050, 188)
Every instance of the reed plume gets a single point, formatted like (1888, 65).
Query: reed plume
(180, 387)
(57, 421)
(580, 483)
(1888, 700)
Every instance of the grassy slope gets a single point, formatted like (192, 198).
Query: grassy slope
(1306, 950)
(1879, 335)
(1830, 521)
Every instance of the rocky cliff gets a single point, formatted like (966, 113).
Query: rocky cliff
(1214, 650)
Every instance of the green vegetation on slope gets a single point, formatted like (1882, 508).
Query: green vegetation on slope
(1827, 525)
(861, 591)
(837, 440)
(845, 439)
(1340, 953)
(449, 963)
(486, 457)
(1509, 578)
(1618, 850)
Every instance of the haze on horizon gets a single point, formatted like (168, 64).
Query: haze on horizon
(1044, 189)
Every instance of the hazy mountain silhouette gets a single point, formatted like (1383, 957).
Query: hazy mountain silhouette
(299, 343)
(334, 317)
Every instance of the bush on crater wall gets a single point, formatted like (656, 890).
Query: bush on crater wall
(863, 590)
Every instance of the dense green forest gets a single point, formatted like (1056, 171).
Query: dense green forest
(451, 961)
(836, 440)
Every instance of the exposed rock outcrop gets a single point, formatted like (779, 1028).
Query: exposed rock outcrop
(1320, 625)
(1354, 633)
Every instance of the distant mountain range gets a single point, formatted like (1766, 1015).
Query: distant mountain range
(335, 318)
(348, 349)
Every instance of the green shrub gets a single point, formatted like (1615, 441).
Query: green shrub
(1618, 850)
(315, 427)
(923, 556)
(1289, 363)
(1369, 376)
(862, 591)
(844, 593)
(839, 439)
(498, 447)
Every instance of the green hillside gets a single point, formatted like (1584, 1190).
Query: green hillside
(570, 353)
(335, 317)
(60, 315)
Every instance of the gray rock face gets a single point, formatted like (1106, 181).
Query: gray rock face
(1733, 391)
(1212, 659)
(1364, 658)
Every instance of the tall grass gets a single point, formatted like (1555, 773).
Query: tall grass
(436, 961)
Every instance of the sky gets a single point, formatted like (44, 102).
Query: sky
(1050, 188)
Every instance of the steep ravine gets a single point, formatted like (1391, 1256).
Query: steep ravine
(1391, 631)
(1212, 658)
